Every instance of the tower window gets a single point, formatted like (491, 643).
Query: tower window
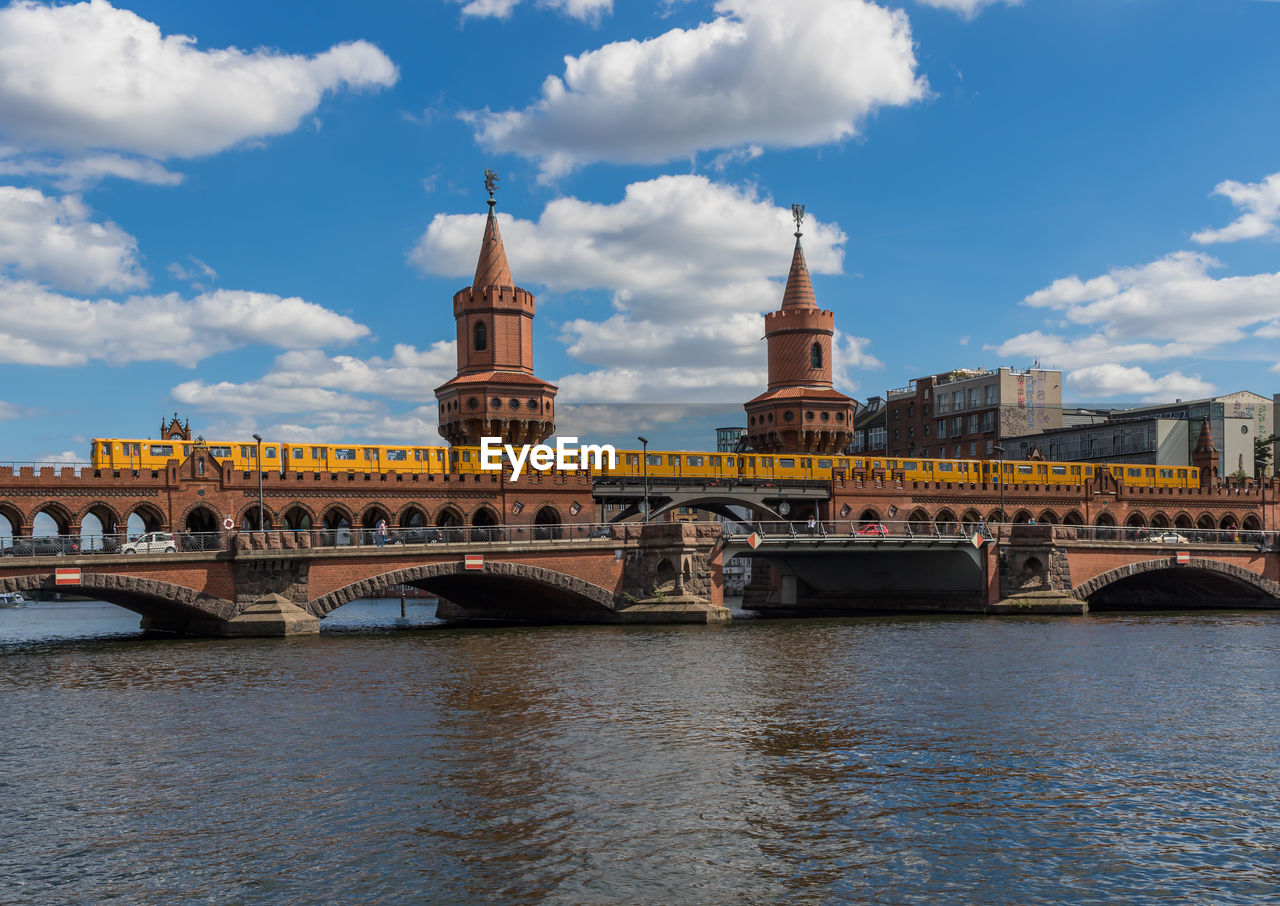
(815, 356)
(482, 337)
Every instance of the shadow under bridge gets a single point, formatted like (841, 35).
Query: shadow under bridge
(765, 499)
(853, 574)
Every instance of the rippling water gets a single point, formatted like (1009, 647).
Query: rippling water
(1106, 758)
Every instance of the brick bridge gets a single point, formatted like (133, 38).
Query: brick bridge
(277, 583)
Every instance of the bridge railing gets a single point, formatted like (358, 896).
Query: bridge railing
(845, 528)
(471, 534)
(110, 543)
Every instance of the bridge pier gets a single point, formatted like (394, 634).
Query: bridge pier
(1034, 574)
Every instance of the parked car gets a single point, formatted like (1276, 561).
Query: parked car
(1167, 538)
(874, 529)
(419, 535)
(601, 533)
(152, 543)
(43, 547)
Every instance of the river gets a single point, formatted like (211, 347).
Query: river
(1108, 758)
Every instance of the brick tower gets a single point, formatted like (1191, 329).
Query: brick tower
(1205, 456)
(495, 392)
(800, 412)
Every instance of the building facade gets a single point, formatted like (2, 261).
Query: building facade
(966, 414)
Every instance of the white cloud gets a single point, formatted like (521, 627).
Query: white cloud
(196, 272)
(78, 173)
(41, 327)
(54, 240)
(779, 75)
(1168, 309)
(1110, 380)
(691, 265)
(85, 78)
(66, 456)
(9, 410)
(1260, 202)
(967, 8)
(583, 10)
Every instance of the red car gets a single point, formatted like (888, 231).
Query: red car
(874, 528)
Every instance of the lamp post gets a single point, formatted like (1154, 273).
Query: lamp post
(999, 450)
(644, 443)
(262, 528)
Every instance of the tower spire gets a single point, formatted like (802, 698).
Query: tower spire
(799, 292)
(491, 267)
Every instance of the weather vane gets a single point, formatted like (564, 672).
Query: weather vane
(490, 183)
(797, 214)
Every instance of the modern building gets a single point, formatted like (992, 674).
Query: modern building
(1163, 434)
(964, 414)
(727, 439)
(800, 411)
(495, 392)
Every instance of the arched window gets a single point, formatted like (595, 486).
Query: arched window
(482, 337)
(815, 356)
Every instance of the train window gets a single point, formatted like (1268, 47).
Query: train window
(859, 463)
(1088, 470)
(911, 465)
(943, 466)
(1166, 473)
(786, 463)
(1135, 473)
(186, 449)
(297, 452)
(1024, 470)
(370, 452)
(1075, 470)
(219, 451)
(397, 455)
(728, 461)
(344, 453)
(673, 460)
(466, 456)
(1151, 473)
(319, 452)
(268, 452)
(824, 463)
(161, 449)
(695, 460)
(439, 455)
(766, 461)
(806, 463)
(1059, 470)
(654, 459)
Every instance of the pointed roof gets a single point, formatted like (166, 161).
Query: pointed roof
(492, 268)
(799, 292)
(1204, 443)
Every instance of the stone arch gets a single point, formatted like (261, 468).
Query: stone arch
(1262, 587)
(1073, 517)
(411, 516)
(372, 513)
(869, 516)
(200, 519)
(153, 519)
(993, 517)
(485, 521)
(1205, 523)
(548, 523)
(1105, 519)
(1021, 517)
(298, 517)
(1047, 517)
(1228, 522)
(1251, 523)
(1183, 521)
(14, 517)
(337, 522)
(108, 516)
(59, 514)
(664, 577)
(1159, 520)
(970, 518)
(157, 602)
(946, 523)
(448, 577)
(919, 522)
(248, 519)
(449, 517)
(1135, 520)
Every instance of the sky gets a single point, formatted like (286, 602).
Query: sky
(256, 215)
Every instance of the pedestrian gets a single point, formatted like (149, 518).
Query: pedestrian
(382, 532)
(813, 526)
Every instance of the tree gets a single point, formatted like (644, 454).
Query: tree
(1262, 448)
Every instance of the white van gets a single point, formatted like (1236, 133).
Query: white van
(152, 543)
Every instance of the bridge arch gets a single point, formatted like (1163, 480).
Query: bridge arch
(298, 517)
(497, 589)
(719, 503)
(1073, 517)
(161, 604)
(1183, 520)
(1048, 517)
(13, 516)
(54, 512)
(869, 515)
(1159, 520)
(107, 515)
(1105, 519)
(1205, 522)
(200, 519)
(411, 516)
(1251, 523)
(449, 516)
(1160, 583)
(248, 518)
(149, 518)
(1022, 516)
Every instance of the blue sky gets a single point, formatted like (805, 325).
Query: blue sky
(257, 214)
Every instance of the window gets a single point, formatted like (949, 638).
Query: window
(217, 451)
(1134, 473)
(973, 448)
(268, 452)
(344, 453)
(673, 460)
(1166, 473)
(989, 392)
(1059, 470)
(944, 404)
(481, 337)
(319, 452)
(911, 409)
(988, 421)
(1024, 470)
(786, 463)
(990, 447)
(371, 453)
(815, 355)
(973, 397)
(973, 423)
(957, 426)
(942, 427)
(297, 452)
(824, 463)
(161, 449)
(397, 455)
(957, 401)
(695, 460)
(654, 459)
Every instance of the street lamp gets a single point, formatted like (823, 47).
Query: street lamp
(644, 442)
(999, 450)
(261, 527)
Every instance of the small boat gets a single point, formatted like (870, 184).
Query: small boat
(11, 599)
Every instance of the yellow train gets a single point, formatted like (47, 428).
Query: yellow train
(120, 454)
